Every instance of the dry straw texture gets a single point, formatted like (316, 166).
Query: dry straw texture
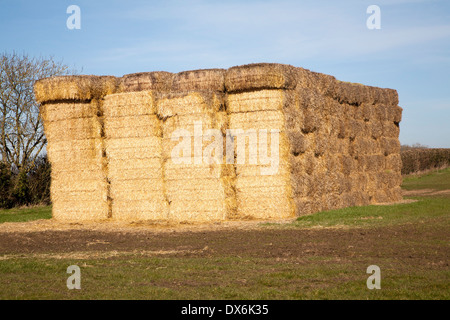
(111, 143)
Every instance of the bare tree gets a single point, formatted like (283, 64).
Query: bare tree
(21, 131)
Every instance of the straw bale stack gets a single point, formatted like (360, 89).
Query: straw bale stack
(286, 141)
(196, 189)
(133, 143)
(258, 195)
(79, 187)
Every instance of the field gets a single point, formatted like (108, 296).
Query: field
(321, 256)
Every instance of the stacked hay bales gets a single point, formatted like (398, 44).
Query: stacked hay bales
(255, 109)
(72, 116)
(133, 139)
(257, 141)
(198, 183)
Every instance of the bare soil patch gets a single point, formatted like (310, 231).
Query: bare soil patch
(424, 192)
(405, 242)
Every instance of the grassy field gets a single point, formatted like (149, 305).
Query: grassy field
(25, 214)
(322, 256)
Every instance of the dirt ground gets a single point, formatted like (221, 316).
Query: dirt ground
(253, 241)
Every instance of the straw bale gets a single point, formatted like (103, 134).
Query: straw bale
(76, 165)
(390, 129)
(126, 187)
(304, 206)
(380, 196)
(80, 210)
(393, 162)
(300, 185)
(193, 171)
(395, 194)
(76, 173)
(217, 193)
(367, 112)
(169, 105)
(356, 128)
(246, 170)
(321, 144)
(249, 184)
(188, 206)
(52, 111)
(298, 141)
(350, 93)
(70, 175)
(263, 120)
(348, 199)
(396, 114)
(118, 144)
(266, 208)
(129, 104)
(118, 172)
(347, 165)
(376, 128)
(173, 186)
(188, 122)
(333, 201)
(137, 214)
(260, 76)
(64, 185)
(73, 129)
(154, 203)
(311, 121)
(390, 145)
(139, 152)
(142, 81)
(199, 80)
(210, 213)
(324, 83)
(261, 100)
(375, 162)
(382, 112)
(80, 88)
(309, 162)
(132, 126)
(294, 117)
(74, 147)
(77, 195)
(174, 150)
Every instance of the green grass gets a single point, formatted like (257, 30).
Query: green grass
(439, 180)
(424, 209)
(129, 277)
(25, 214)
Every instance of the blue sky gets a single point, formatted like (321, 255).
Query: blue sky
(410, 53)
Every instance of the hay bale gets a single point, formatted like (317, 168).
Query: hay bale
(260, 76)
(129, 104)
(73, 129)
(298, 141)
(53, 111)
(261, 100)
(81, 88)
(199, 80)
(143, 81)
(182, 103)
(390, 129)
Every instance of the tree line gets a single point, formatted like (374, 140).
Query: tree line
(24, 167)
